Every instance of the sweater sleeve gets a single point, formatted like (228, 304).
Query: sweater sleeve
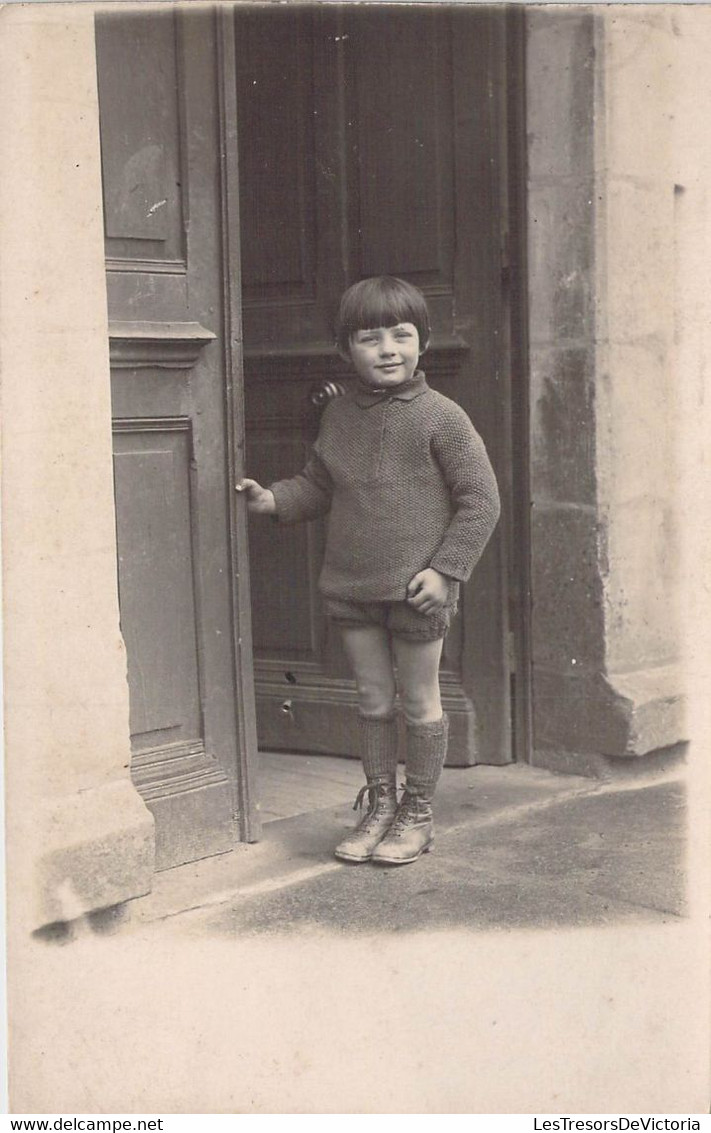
(305, 496)
(467, 471)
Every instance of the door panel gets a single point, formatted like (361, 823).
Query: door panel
(164, 119)
(278, 175)
(375, 146)
(143, 198)
(400, 110)
(155, 522)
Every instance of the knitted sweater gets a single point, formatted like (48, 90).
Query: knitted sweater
(408, 485)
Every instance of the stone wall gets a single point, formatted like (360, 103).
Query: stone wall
(604, 394)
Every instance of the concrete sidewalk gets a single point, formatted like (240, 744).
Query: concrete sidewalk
(515, 846)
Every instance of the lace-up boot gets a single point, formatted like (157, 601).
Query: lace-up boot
(358, 846)
(377, 743)
(411, 832)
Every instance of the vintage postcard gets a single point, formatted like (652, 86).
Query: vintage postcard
(355, 541)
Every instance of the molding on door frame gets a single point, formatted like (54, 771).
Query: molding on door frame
(173, 346)
(174, 768)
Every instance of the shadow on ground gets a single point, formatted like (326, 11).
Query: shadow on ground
(614, 856)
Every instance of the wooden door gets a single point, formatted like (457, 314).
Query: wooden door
(372, 141)
(168, 136)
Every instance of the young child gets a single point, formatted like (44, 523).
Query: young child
(412, 502)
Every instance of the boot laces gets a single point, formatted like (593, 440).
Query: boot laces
(375, 792)
(412, 808)
(377, 798)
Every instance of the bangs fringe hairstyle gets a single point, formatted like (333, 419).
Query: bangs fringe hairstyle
(382, 301)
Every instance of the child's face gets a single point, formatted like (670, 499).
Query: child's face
(385, 356)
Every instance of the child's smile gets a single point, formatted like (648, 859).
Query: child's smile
(385, 356)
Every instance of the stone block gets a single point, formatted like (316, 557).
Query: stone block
(568, 625)
(657, 764)
(637, 425)
(621, 715)
(641, 586)
(96, 849)
(560, 250)
(559, 92)
(654, 701)
(563, 425)
(636, 227)
(635, 47)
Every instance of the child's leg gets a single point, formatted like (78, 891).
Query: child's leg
(368, 651)
(418, 678)
(411, 833)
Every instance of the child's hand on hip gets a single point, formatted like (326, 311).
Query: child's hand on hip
(428, 591)
(259, 499)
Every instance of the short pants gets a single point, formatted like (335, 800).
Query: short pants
(398, 618)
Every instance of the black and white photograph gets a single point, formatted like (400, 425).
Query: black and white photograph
(355, 540)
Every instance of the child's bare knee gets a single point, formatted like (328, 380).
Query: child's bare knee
(375, 700)
(377, 708)
(421, 706)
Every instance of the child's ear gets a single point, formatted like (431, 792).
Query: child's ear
(424, 347)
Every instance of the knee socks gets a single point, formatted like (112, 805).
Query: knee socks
(378, 746)
(426, 752)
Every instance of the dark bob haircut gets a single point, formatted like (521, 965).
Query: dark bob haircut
(382, 301)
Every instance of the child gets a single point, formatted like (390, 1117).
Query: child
(412, 500)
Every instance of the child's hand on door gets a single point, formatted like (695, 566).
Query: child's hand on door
(259, 500)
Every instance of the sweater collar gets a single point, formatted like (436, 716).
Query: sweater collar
(366, 396)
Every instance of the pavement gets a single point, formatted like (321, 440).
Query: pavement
(515, 847)
(539, 960)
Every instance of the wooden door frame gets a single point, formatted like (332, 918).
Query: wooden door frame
(504, 122)
(506, 119)
(247, 800)
(516, 284)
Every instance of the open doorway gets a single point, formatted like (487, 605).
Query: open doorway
(381, 140)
